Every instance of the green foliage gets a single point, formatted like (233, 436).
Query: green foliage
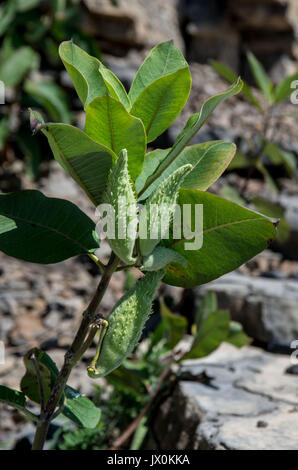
(262, 149)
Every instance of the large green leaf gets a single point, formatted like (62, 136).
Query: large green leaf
(261, 77)
(44, 230)
(212, 333)
(283, 90)
(209, 160)
(193, 125)
(162, 60)
(231, 77)
(80, 409)
(236, 335)
(231, 236)
(14, 68)
(87, 161)
(161, 102)
(108, 123)
(51, 97)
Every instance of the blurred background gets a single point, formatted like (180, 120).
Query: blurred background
(236, 394)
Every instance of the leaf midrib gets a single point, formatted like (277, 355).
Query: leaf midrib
(218, 227)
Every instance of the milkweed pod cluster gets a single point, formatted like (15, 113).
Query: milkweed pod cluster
(126, 323)
(121, 197)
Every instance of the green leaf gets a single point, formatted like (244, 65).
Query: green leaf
(208, 305)
(193, 125)
(161, 102)
(236, 335)
(121, 198)
(80, 409)
(224, 72)
(51, 97)
(160, 258)
(231, 194)
(283, 90)
(43, 230)
(19, 64)
(239, 161)
(272, 184)
(164, 59)
(88, 162)
(24, 5)
(84, 72)
(261, 77)
(29, 383)
(209, 160)
(174, 326)
(212, 333)
(108, 123)
(231, 236)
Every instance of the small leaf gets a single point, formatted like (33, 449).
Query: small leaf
(231, 235)
(140, 434)
(108, 123)
(193, 125)
(212, 332)
(261, 77)
(174, 326)
(80, 409)
(114, 85)
(278, 156)
(236, 335)
(12, 397)
(224, 72)
(29, 383)
(127, 380)
(120, 196)
(160, 258)
(43, 230)
(161, 204)
(7, 15)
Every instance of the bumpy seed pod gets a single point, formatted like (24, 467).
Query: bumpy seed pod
(120, 195)
(126, 323)
(160, 206)
(160, 258)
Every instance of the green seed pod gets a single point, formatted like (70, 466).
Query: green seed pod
(159, 208)
(126, 323)
(160, 258)
(120, 195)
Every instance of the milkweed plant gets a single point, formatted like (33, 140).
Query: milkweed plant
(146, 191)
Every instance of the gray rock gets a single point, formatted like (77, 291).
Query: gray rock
(267, 308)
(249, 404)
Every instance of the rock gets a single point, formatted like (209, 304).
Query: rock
(249, 404)
(267, 308)
(130, 24)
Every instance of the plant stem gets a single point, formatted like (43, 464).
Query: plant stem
(73, 354)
